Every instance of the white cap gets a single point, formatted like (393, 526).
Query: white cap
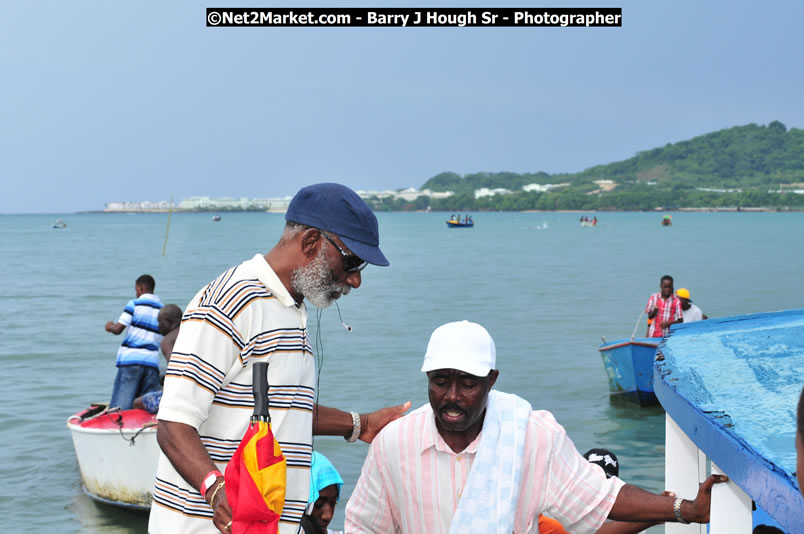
(461, 345)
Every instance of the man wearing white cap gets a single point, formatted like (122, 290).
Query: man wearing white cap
(478, 460)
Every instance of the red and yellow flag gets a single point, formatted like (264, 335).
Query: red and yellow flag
(256, 477)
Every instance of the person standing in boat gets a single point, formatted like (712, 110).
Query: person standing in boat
(689, 311)
(477, 460)
(255, 312)
(138, 355)
(169, 320)
(663, 309)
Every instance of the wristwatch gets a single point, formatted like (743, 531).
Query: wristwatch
(677, 512)
(355, 428)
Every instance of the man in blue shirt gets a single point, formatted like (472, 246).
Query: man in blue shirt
(138, 355)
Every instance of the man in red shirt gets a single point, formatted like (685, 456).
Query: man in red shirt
(663, 309)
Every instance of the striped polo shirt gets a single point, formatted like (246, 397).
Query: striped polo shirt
(243, 316)
(141, 341)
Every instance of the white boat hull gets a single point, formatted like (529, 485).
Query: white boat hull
(114, 469)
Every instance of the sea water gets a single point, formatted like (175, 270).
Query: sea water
(546, 288)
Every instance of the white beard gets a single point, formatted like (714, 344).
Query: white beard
(316, 282)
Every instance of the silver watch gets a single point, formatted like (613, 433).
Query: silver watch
(355, 428)
(677, 512)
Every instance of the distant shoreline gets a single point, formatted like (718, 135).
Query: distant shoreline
(656, 210)
(179, 211)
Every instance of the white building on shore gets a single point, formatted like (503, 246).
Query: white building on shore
(201, 203)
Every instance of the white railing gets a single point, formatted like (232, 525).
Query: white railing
(685, 466)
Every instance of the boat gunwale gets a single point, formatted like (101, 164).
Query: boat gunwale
(618, 344)
(769, 485)
(125, 431)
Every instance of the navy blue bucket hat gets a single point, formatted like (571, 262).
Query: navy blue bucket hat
(336, 208)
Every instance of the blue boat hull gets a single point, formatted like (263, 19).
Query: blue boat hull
(732, 385)
(451, 224)
(629, 366)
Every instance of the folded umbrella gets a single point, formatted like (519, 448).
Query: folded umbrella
(256, 474)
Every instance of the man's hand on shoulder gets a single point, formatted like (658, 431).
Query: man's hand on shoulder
(373, 422)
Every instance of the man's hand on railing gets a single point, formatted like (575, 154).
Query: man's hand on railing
(635, 504)
(697, 511)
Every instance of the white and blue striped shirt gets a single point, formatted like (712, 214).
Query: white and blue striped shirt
(141, 342)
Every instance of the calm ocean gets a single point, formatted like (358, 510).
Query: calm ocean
(546, 288)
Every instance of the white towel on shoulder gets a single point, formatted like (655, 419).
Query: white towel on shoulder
(488, 502)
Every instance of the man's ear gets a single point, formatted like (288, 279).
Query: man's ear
(493, 377)
(310, 241)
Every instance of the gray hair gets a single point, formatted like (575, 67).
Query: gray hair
(291, 230)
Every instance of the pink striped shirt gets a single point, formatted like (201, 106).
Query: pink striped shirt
(669, 309)
(412, 481)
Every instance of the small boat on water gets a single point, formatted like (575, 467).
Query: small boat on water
(455, 222)
(117, 454)
(216, 218)
(629, 366)
(667, 220)
(59, 224)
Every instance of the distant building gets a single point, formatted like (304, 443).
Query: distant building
(713, 190)
(410, 194)
(541, 188)
(201, 203)
(782, 191)
(486, 192)
(146, 205)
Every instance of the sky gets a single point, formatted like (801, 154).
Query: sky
(114, 101)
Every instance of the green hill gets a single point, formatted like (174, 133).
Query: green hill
(743, 156)
(742, 166)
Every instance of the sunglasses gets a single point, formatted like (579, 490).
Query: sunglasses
(351, 263)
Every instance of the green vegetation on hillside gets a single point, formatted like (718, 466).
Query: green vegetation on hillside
(742, 166)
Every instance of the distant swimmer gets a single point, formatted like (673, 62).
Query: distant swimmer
(689, 311)
(663, 309)
(138, 355)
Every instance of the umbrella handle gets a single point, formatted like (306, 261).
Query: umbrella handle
(260, 387)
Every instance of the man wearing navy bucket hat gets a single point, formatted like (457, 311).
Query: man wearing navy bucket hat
(255, 312)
